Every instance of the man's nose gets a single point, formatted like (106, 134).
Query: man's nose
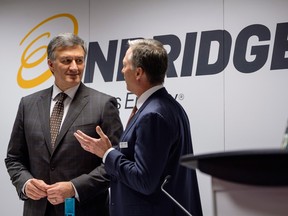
(73, 65)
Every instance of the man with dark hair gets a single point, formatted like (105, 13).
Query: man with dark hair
(44, 160)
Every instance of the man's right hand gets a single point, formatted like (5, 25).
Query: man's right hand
(36, 189)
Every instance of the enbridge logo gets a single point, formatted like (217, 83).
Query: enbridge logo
(203, 53)
(28, 60)
(200, 53)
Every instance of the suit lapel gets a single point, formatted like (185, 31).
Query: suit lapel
(44, 115)
(159, 93)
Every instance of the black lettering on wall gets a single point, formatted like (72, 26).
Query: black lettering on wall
(188, 55)
(280, 47)
(260, 52)
(224, 39)
(106, 66)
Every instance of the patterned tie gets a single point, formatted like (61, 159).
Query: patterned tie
(56, 117)
(134, 110)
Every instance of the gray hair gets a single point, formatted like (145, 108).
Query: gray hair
(151, 56)
(64, 40)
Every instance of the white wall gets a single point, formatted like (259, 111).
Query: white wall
(229, 110)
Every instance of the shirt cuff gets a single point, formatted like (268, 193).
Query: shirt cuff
(23, 188)
(106, 153)
(76, 193)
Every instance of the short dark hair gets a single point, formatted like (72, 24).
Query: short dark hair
(64, 40)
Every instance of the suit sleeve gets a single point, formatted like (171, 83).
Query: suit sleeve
(17, 159)
(143, 170)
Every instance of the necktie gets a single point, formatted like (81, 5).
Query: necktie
(56, 117)
(134, 110)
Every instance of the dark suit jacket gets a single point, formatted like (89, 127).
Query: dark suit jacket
(30, 155)
(149, 150)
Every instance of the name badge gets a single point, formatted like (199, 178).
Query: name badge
(123, 144)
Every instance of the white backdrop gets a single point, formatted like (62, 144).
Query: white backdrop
(228, 110)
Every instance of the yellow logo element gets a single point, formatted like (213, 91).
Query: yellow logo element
(27, 56)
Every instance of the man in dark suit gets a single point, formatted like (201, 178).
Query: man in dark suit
(151, 145)
(45, 175)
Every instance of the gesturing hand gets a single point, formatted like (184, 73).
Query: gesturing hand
(93, 145)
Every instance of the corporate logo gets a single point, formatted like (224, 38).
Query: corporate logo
(35, 52)
(208, 52)
(251, 52)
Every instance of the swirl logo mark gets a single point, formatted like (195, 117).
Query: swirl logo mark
(28, 60)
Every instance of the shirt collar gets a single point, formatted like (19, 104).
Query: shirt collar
(70, 92)
(143, 97)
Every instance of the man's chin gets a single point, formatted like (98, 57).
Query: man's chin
(73, 78)
(73, 81)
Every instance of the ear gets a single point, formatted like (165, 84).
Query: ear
(50, 64)
(139, 72)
